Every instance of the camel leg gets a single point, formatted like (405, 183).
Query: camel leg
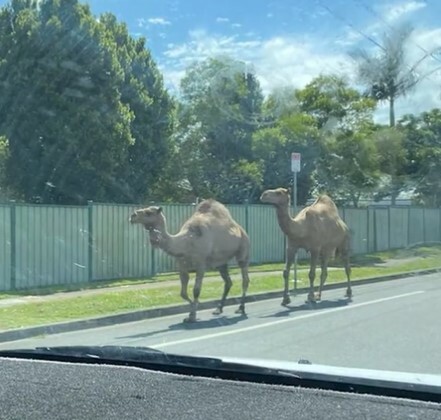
(347, 264)
(245, 283)
(184, 277)
(290, 255)
(223, 270)
(314, 258)
(196, 293)
(323, 275)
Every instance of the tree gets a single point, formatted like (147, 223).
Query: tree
(387, 75)
(348, 169)
(422, 140)
(343, 161)
(334, 104)
(142, 90)
(273, 147)
(5, 191)
(392, 161)
(69, 107)
(220, 109)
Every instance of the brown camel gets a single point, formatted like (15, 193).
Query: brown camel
(319, 230)
(208, 239)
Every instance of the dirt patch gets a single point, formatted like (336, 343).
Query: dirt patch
(397, 261)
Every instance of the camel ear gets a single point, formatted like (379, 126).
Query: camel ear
(159, 210)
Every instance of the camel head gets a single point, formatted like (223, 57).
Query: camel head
(150, 217)
(277, 197)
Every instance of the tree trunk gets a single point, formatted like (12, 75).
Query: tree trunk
(392, 111)
(393, 198)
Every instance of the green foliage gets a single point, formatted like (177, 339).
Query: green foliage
(5, 192)
(392, 161)
(334, 104)
(349, 169)
(82, 105)
(422, 140)
(221, 107)
(273, 147)
(84, 115)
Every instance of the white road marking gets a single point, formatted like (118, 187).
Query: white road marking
(282, 321)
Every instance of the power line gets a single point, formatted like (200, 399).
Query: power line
(372, 40)
(344, 21)
(378, 16)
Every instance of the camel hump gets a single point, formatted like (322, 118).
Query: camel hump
(214, 207)
(325, 200)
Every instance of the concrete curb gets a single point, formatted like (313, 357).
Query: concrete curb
(23, 333)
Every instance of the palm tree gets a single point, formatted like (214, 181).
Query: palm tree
(387, 75)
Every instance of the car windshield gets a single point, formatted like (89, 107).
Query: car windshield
(247, 180)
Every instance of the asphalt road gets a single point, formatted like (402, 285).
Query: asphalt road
(391, 325)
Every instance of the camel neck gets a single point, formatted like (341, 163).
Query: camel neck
(166, 241)
(286, 222)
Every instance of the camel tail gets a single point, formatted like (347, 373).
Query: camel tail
(345, 248)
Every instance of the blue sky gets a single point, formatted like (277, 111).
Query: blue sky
(286, 42)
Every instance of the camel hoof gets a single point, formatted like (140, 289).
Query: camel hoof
(317, 297)
(217, 311)
(190, 319)
(348, 294)
(240, 310)
(286, 301)
(310, 302)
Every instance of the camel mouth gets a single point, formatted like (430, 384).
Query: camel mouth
(264, 199)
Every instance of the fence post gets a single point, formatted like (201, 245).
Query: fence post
(152, 251)
(408, 225)
(368, 231)
(247, 216)
(388, 227)
(424, 225)
(90, 239)
(375, 230)
(439, 224)
(13, 284)
(153, 262)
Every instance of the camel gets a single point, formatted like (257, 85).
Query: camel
(319, 230)
(208, 239)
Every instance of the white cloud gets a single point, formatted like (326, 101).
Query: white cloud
(158, 21)
(277, 61)
(236, 25)
(386, 16)
(396, 11)
(281, 61)
(222, 20)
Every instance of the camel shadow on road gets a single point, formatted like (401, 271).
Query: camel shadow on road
(324, 304)
(215, 322)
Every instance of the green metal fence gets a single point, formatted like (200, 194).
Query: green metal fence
(50, 245)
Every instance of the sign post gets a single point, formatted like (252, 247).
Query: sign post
(295, 168)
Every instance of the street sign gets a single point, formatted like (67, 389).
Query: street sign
(295, 162)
